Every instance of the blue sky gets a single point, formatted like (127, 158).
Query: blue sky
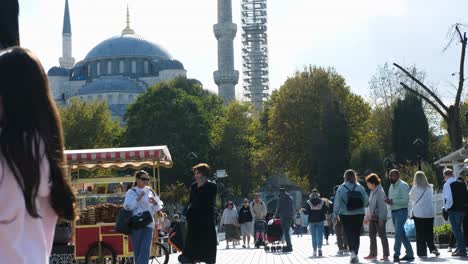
(352, 36)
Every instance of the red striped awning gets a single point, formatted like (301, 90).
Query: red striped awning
(159, 154)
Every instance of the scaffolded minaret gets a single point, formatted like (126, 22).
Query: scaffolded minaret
(67, 60)
(225, 77)
(255, 51)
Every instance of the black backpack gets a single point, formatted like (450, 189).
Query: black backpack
(355, 199)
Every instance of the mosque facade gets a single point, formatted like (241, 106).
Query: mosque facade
(117, 70)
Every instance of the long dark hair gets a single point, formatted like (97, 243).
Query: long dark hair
(30, 120)
(9, 30)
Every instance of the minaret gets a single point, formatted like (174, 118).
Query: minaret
(225, 77)
(66, 61)
(127, 29)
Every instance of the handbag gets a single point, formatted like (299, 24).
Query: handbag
(123, 222)
(141, 220)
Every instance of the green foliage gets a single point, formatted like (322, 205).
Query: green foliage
(235, 146)
(175, 193)
(409, 123)
(179, 114)
(442, 233)
(408, 170)
(89, 125)
(367, 157)
(308, 131)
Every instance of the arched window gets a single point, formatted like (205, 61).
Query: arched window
(109, 67)
(99, 97)
(89, 70)
(98, 67)
(121, 66)
(133, 66)
(146, 67)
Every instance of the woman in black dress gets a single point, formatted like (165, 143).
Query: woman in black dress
(201, 241)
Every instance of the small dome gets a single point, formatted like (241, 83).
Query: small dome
(58, 71)
(128, 45)
(111, 84)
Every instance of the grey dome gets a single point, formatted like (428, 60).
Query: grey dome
(128, 45)
(58, 71)
(111, 84)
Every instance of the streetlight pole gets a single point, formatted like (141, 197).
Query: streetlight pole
(419, 145)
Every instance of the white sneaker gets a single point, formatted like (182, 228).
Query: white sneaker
(248, 245)
(315, 253)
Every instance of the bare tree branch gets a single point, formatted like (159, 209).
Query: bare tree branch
(423, 86)
(459, 32)
(444, 116)
(461, 74)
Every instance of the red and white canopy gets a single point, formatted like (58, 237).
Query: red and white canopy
(112, 157)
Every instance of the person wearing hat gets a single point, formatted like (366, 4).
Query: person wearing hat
(286, 211)
(455, 202)
(316, 209)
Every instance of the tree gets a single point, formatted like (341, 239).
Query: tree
(89, 125)
(368, 157)
(236, 146)
(450, 114)
(179, 114)
(409, 123)
(309, 134)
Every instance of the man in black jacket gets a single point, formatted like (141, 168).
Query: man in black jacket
(285, 209)
(455, 202)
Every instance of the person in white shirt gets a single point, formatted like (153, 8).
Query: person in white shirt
(423, 214)
(140, 199)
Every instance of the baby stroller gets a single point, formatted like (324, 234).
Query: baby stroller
(259, 233)
(274, 235)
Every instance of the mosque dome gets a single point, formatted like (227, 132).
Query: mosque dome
(127, 45)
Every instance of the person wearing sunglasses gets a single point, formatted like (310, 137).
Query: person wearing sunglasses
(141, 199)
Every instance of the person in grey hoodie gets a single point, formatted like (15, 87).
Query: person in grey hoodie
(350, 201)
(285, 210)
(377, 217)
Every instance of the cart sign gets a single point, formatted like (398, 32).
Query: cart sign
(110, 156)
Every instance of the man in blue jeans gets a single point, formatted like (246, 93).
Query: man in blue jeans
(455, 203)
(285, 210)
(398, 199)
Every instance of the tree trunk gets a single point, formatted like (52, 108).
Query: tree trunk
(454, 128)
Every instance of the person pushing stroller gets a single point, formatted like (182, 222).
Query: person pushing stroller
(259, 212)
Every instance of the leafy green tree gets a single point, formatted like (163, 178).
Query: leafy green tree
(409, 123)
(89, 125)
(237, 141)
(179, 114)
(368, 157)
(309, 133)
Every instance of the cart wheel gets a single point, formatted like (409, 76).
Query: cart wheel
(108, 254)
(159, 253)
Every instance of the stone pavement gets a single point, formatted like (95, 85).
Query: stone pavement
(303, 254)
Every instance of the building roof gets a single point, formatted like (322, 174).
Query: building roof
(107, 84)
(128, 45)
(58, 71)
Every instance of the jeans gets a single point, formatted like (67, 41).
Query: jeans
(286, 224)
(352, 227)
(456, 221)
(399, 219)
(424, 235)
(316, 230)
(375, 228)
(141, 241)
(298, 230)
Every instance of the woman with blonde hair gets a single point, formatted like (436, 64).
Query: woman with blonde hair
(423, 214)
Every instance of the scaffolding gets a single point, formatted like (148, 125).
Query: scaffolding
(255, 51)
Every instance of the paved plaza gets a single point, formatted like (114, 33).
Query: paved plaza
(303, 254)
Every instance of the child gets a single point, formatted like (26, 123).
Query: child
(298, 223)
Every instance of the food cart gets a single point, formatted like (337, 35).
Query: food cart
(100, 198)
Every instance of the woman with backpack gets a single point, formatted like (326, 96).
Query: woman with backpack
(349, 204)
(316, 209)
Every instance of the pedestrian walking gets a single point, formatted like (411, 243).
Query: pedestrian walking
(316, 209)
(455, 203)
(327, 222)
(350, 200)
(423, 215)
(34, 189)
(201, 240)
(378, 216)
(285, 210)
(298, 223)
(259, 212)
(230, 223)
(246, 222)
(398, 199)
(341, 239)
